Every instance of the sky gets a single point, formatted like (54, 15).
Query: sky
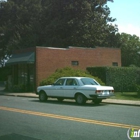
(127, 14)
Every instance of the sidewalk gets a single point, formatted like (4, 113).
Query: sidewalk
(108, 101)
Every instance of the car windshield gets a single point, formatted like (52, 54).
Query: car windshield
(89, 81)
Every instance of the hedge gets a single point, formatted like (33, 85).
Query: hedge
(121, 78)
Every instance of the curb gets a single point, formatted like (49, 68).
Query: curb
(18, 95)
(21, 96)
(121, 104)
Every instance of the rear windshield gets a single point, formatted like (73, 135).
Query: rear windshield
(89, 81)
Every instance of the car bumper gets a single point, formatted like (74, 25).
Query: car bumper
(100, 96)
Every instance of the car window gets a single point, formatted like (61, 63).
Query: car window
(71, 82)
(89, 81)
(59, 82)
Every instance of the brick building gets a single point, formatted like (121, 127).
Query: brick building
(32, 65)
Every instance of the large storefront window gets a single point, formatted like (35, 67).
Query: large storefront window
(24, 77)
(31, 76)
(22, 74)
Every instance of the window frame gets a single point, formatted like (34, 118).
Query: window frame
(63, 81)
(115, 64)
(75, 63)
(73, 80)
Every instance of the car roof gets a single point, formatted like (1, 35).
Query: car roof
(75, 77)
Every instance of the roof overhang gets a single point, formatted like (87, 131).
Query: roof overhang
(22, 58)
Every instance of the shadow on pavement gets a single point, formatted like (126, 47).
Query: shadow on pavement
(68, 102)
(14, 136)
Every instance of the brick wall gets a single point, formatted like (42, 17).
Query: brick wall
(49, 59)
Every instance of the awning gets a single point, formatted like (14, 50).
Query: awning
(21, 58)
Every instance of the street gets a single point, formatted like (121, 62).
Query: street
(29, 119)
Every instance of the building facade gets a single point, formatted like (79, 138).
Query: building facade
(31, 66)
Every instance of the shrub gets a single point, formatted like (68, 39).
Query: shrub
(67, 72)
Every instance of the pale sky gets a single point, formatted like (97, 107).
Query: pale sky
(127, 13)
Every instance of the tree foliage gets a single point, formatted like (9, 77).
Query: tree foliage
(130, 49)
(58, 23)
(78, 23)
(62, 23)
(20, 24)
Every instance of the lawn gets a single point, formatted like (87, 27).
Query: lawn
(126, 96)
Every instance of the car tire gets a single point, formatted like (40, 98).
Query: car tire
(80, 99)
(97, 101)
(60, 99)
(42, 96)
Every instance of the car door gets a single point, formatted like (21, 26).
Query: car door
(57, 88)
(70, 88)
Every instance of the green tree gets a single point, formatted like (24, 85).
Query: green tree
(2, 40)
(59, 23)
(130, 49)
(77, 23)
(20, 24)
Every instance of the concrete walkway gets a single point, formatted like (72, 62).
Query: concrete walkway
(109, 101)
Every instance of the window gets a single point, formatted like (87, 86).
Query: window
(89, 81)
(60, 82)
(22, 74)
(71, 82)
(115, 64)
(26, 76)
(74, 63)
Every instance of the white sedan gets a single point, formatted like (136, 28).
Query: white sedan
(79, 88)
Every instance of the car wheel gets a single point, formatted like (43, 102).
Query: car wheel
(60, 99)
(97, 101)
(42, 96)
(80, 99)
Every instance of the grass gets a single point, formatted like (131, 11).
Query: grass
(126, 96)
